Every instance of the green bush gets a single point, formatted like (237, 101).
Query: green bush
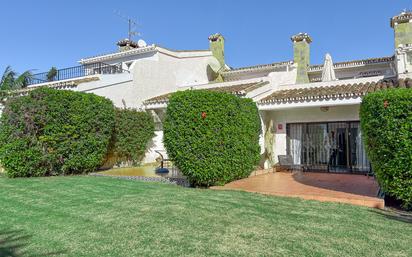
(212, 137)
(133, 130)
(386, 123)
(50, 132)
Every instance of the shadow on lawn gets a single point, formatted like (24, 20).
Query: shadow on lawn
(13, 243)
(397, 215)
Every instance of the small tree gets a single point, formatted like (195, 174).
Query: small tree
(386, 123)
(212, 137)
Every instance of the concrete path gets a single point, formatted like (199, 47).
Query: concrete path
(329, 187)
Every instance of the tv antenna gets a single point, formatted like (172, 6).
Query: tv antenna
(132, 26)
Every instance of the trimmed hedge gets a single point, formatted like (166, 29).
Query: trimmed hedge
(51, 132)
(132, 133)
(212, 137)
(386, 123)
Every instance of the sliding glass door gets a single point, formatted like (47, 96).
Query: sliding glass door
(329, 146)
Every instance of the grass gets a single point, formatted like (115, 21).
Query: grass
(97, 216)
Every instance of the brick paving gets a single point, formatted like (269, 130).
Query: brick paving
(327, 187)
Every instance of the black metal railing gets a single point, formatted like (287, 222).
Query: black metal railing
(76, 72)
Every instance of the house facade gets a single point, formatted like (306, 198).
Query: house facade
(309, 112)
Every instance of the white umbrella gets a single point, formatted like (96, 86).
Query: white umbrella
(328, 72)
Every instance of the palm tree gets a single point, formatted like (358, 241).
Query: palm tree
(11, 80)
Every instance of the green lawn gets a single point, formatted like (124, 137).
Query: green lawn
(96, 216)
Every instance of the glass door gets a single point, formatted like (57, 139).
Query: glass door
(338, 147)
(358, 158)
(328, 146)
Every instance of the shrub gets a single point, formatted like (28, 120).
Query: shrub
(133, 130)
(52, 132)
(386, 123)
(212, 137)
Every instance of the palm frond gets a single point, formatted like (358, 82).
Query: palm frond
(7, 78)
(22, 80)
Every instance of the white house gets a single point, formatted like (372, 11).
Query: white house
(310, 112)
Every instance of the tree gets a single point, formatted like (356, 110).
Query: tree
(12, 80)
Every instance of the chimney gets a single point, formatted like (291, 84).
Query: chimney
(217, 46)
(402, 25)
(126, 44)
(301, 56)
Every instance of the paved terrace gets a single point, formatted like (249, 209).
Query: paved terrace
(326, 187)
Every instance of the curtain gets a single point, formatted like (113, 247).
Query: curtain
(295, 142)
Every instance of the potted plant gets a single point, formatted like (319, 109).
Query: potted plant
(51, 75)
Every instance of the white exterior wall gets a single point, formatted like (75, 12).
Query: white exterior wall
(156, 144)
(162, 73)
(308, 114)
(116, 87)
(152, 74)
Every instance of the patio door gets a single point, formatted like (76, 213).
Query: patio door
(328, 146)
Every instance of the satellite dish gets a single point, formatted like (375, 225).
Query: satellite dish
(141, 43)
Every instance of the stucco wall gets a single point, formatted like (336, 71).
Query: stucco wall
(117, 87)
(403, 34)
(301, 53)
(161, 74)
(309, 114)
(152, 74)
(156, 144)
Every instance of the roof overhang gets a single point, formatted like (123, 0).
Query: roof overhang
(64, 84)
(241, 90)
(304, 104)
(117, 55)
(328, 95)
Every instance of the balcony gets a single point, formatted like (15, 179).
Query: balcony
(76, 72)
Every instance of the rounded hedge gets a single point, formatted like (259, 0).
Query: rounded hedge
(132, 133)
(386, 123)
(212, 137)
(51, 132)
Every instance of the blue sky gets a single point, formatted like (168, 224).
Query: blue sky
(40, 34)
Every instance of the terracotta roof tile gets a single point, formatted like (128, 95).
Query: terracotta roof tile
(334, 92)
(401, 18)
(67, 84)
(239, 90)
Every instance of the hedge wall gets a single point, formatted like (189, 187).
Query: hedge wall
(132, 133)
(52, 132)
(212, 137)
(386, 123)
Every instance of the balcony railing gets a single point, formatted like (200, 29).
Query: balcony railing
(76, 72)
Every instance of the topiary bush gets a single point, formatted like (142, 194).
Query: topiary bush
(212, 137)
(51, 132)
(132, 133)
(386, 123)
